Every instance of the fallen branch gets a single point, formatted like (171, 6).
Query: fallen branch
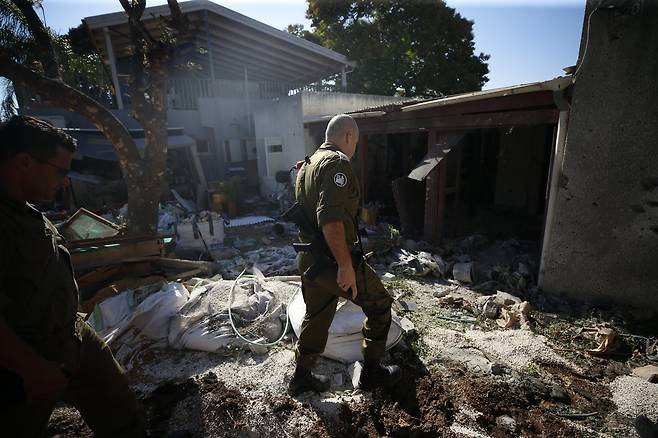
(576, 416)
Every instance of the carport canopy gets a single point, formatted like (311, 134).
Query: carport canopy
(230, 44)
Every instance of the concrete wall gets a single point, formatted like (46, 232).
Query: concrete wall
(226, 119)
(280, 118)
(603, 245)
(284, 118)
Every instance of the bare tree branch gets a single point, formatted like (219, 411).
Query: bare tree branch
(178, 20)
(41, 36)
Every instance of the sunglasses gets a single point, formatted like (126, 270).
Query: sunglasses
(61, 171)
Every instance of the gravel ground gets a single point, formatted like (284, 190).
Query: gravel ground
(457, 356)
(635, 396)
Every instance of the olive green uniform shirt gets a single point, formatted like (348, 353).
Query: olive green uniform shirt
(330, 192)
(38, 293)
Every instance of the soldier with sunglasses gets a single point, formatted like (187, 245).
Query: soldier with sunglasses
(47, 353)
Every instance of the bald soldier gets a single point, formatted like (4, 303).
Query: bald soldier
(328, 193)
(47, 353)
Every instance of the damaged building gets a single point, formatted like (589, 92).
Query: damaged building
(551, 162)
(238, 115)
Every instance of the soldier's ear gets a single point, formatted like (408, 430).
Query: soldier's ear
(23, 160)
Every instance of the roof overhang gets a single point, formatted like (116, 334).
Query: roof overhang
(235, 43)
(525, 104)
(559, 83)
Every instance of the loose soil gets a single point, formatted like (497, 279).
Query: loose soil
(195, 394)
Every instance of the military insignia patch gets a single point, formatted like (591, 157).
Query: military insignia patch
(340, 179)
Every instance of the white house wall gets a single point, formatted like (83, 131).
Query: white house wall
(281, 118)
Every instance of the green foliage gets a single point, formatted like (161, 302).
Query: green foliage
(81, 67)
(412, 48)
(299, 31)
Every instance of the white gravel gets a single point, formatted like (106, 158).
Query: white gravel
(517, 348)
(635, 396)
(475, 348)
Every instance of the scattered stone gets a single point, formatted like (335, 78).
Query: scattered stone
(441, 293)
(258, 350)
(463, 272)
(497, 368)
(506, 422)
(388, 276)
(407, 326)
(649, 373)
(505, 299)
(559, 394)
(409, 306)
(491, 309)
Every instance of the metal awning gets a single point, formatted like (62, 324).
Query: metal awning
(436, 153)
(234, 44)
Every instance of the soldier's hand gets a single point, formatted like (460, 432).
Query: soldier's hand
(346, 279)
(44, 381)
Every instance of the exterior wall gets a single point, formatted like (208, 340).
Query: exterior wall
(284, 118)
(226, 119)
(280, 118)
(190, 120)
(603, 244)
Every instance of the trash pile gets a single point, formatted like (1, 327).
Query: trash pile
(489, 266)
(193, 315)
(272, 261)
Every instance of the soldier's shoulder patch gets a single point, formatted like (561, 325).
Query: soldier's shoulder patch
(342, 156)
(340, 179)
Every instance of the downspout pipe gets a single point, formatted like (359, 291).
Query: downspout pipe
(558, 162)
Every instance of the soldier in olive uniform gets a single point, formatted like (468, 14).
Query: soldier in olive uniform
(47, 353)
(328, 193)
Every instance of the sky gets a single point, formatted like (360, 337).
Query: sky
(528, 40)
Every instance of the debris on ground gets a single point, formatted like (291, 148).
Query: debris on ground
(647, 372)
(481, 355)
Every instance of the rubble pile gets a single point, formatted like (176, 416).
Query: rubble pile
(508, 265)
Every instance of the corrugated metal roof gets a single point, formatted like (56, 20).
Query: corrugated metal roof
(559, 83)
(234, 42)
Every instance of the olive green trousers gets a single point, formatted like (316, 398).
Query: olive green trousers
(97, 388)
(321, 297)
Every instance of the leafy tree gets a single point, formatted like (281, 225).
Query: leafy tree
(61, 73)
(299, 31)
(412, 47)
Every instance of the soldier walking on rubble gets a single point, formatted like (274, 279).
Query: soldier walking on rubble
(47, 353)
(327, 193)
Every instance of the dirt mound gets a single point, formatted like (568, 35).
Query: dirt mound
(66, 422)
(184, 408)
(422, 408)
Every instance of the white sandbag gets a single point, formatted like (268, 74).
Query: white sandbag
(202, 324)
(151, 317)
(344, 341)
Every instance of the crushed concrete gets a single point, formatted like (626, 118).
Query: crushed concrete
(635, 396)
(518, 348)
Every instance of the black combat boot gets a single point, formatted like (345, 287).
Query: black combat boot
(304, 380)
(375, 375)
